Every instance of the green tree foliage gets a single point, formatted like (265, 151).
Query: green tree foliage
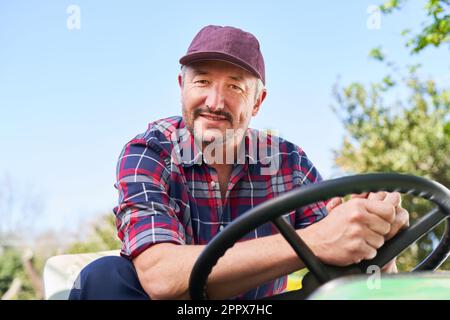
(11, 267)
(398, 124)
(402, 122)
(102, 237)
(435, 29)
(385, 137)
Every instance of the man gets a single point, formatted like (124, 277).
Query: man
(186, 178)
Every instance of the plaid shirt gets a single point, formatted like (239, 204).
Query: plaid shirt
(163, 199)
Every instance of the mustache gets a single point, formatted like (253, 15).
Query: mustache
(221, 113)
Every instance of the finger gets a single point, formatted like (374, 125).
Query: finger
(377, 195)
(403, 215)
(393, 198)
(333, 203)
(384, 209)
(367, 252)
(377, 224)
(359, 195)
(373, 239)
(401, 222)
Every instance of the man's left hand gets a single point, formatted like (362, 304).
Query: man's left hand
(401, 217)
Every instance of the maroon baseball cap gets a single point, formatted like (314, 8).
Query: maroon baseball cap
(227, 44)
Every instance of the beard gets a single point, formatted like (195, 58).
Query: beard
(209, 135)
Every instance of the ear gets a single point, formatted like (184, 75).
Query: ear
(259, 102)
(180, 80)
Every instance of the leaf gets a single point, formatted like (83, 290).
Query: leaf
(376, 54)
(405, 32)
(390, 6)
(413, 68)
(447, 129)
(387, 80)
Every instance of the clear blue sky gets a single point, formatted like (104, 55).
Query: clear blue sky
(70, 99)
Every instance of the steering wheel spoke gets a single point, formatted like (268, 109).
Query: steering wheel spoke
(302, 250)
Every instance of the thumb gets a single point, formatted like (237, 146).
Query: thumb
(333, 203)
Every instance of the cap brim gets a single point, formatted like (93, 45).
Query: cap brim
(219, 56)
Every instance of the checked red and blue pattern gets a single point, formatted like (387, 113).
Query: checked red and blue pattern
(163, 200)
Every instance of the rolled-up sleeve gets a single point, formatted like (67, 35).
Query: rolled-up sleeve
(145, 214)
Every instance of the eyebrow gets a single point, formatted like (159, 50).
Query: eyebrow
(201, 72)
(236, 78)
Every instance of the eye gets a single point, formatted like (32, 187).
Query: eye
(237, 88)
(202, 81)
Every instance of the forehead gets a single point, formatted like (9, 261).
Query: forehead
(216, 67)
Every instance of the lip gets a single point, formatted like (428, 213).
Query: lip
(213, 118)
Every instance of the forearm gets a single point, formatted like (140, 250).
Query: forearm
(251, 263)
(164, 269)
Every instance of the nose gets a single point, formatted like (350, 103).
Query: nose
(215, 98)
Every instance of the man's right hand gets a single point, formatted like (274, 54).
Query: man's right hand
(353, 230)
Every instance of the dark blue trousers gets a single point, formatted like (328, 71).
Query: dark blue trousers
(108, 278)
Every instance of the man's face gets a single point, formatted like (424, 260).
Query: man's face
(218, 98)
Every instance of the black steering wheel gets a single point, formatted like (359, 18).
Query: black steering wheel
(320, 273)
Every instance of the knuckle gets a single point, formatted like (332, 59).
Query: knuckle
(360, 203)
(356, 230)
(356, 215)
(360, 243)
(355, 248)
